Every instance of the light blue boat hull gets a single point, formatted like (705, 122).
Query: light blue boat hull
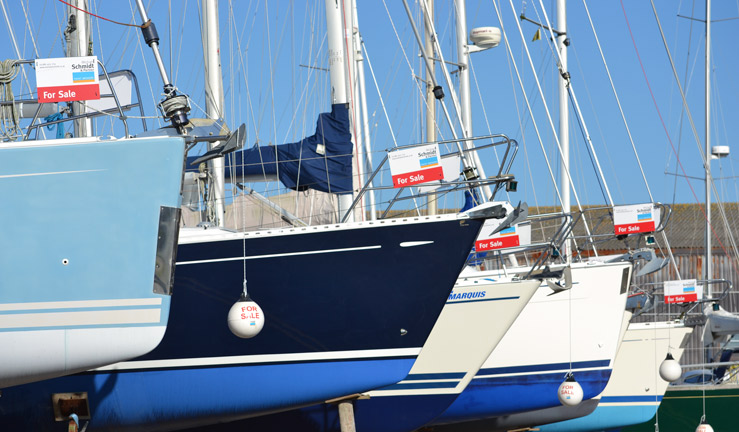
(612, 413)
(80, 225)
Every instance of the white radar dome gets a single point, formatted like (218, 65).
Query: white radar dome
(485, 37)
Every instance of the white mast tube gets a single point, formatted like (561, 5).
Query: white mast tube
(464, 86)
(214, 97)
(564, 116)
(708, 271)
(362, 99)
(431, 201)
(336, 62)
(78, 45)
(350, 43)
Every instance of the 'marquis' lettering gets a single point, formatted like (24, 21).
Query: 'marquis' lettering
(466, 296)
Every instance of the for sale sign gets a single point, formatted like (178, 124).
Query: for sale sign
(67, 79)
(517, 235)
(633, 219)
(683, 291)
(415, 165)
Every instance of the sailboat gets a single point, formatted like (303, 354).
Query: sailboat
(706, 397)
(635, 389)
(598, 295)
(89, 233)
(348, 308)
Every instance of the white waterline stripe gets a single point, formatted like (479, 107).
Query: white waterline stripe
(263, 358)
(280, 255)
(81, 304)
(587, 369)
(65, 319)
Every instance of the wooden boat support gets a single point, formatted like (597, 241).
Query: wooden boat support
(346, 411)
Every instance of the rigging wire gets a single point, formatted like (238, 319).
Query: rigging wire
(410, 67)
(705, 158)
(549, 118)
(146, 69)
(664, 126)
(682, 110)
(526, 99)
(485, 116)
(15, 45)
(30, 29)
(598, 125)
(382, 103)
(575, 105)
(521, 127)
(103, 18)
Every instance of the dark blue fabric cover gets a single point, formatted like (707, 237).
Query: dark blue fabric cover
(300, 167)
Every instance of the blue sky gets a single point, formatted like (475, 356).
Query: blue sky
(264, 44)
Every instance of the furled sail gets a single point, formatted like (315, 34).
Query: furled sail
(322, 161)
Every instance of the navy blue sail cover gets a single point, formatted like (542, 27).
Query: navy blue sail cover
(300, 165)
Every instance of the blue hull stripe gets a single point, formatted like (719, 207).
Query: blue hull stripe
(622, 399)
(543, 367)
(483, 300)
(431, 376)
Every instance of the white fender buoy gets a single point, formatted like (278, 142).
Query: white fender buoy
(704, 427)
(569, 392)
(670, 369)
(245, 318)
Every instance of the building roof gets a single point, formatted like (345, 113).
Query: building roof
(685, 228)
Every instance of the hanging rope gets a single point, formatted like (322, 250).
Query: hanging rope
(9, 118)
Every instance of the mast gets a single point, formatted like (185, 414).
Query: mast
(362, 100)
(79, 44)
(564, 115)
(464, 70)
(463, 55)
(350, 35)
(337, 61)
(431, 203)
(708, 271)
(214, 97)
